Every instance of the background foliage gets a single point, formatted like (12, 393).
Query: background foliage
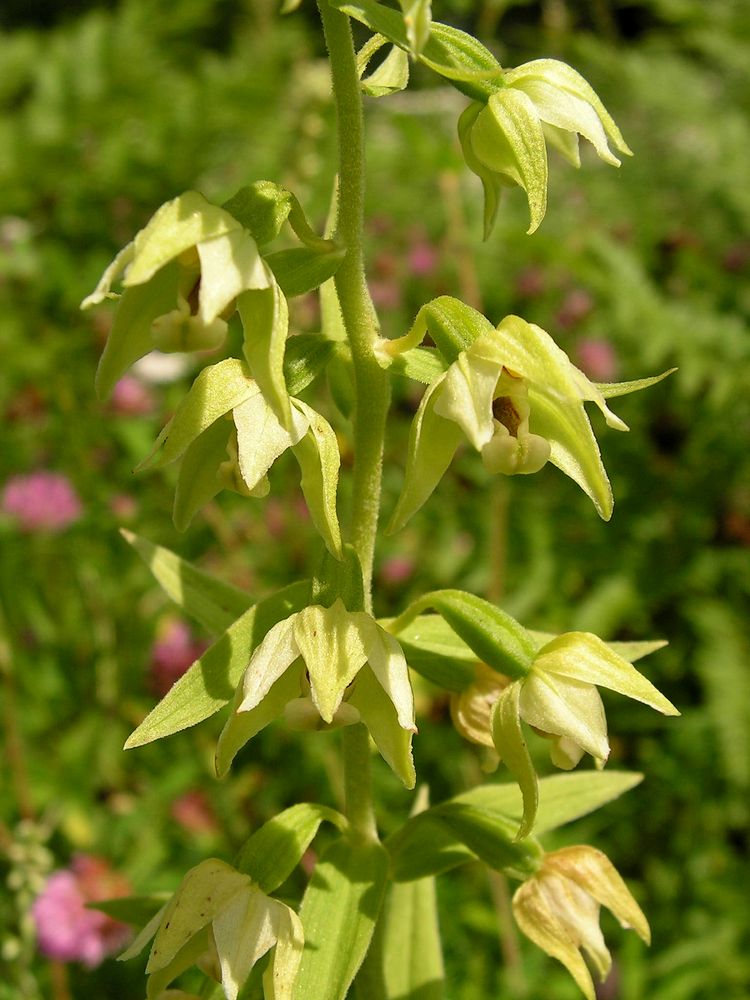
(108, 110)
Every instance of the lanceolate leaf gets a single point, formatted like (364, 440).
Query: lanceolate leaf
(306, 356)
(339, 911)
(405, 960)
(272, 853)
(211, 602)
(562, 797)
(495, 638)
(301, 269)
(210, 681)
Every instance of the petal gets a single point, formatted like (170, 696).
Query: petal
(570, 113)
(508, 138)
(543, 926)
(492, 183)
(329, 643)
(130, 337)
(243, 932)
(199, 480)
(265, 320)
(467, 394)
(261, 438)
(274, 655)
(240, 727)
(379, 716)
(281, 973)
(111, 274)
(202, 894)
(564, 77)
(177, 226)
(578, 912)
(318, 455)
(511, 747)
(432, 444)
(582, 656)
(566, 143)
(565, 708)
(230, 265)
(594, 872)
(388, 663)
(217, 390)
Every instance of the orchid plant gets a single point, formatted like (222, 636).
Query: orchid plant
(313, 657)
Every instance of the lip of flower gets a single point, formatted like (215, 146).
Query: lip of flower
(504, 140)
(355, 670)
(558, 909)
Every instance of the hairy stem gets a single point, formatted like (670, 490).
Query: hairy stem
(372, 391)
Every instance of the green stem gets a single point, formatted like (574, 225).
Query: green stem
(372, 390)
(358, 781)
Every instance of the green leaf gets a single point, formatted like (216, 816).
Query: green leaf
(405, 960)
(302, 269)
(130, 337)
(272, 853)
(318, 457)
(462, 59)
(452, 834)
(307, 354)
(339, 911)
(562, 797)
(210, 682)
(493, 636)
(211, 602)
(459, 57)
(434, 650)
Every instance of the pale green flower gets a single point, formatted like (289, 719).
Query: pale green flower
(181, 277)
(220, 920)
(504, 140)
(558, 697)
(558, 909)
(519, 401)
(324, 667)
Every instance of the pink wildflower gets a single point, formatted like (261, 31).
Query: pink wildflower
(66, 929)
(41, 501)
(396, 570)
(424, 258)
(575, 307)
(597, 358)
(131, 397)
(173, 652)
(194, 812)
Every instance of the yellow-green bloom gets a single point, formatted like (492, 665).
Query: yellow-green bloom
(558, 697)
(181, 277)
(504, 140)
(519, 401)
(333, 665)
(221, 921)
(558, 909)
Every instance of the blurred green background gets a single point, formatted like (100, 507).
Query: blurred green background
(106, 111)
